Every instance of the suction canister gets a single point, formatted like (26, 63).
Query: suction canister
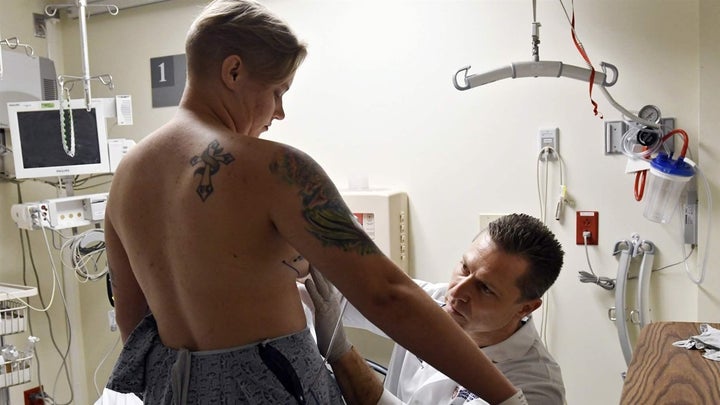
(668, 179)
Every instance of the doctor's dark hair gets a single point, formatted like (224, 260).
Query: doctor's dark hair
(269, 49)
(529, 238)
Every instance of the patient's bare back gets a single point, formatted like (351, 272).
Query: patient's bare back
(193, 214)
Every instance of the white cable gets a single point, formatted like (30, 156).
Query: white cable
(54, 283)
(105, 357)
(585, 277)
(82, 254)
(338, 325)
(701, 277)
(542, 197)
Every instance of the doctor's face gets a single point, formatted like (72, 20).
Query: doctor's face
(483, 297)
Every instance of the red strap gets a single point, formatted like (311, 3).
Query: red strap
(587, 60)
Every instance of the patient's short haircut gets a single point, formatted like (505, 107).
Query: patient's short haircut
(529, 238)
(269, 49)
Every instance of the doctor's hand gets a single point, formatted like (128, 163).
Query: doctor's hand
(326, 299)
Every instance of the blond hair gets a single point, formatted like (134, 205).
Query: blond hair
(269, 49)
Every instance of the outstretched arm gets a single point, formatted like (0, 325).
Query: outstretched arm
(310, 214)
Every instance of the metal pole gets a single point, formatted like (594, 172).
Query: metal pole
(82, 16)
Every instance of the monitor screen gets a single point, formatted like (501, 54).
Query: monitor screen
(41, 149)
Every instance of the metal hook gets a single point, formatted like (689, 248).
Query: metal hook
(50, 11)
(107, 80)
(14, 42)
(29, 51)
(455, 82)
(111, 8)
(62, 81)
(626, 245)
(612, 67)
(11, 42)
(646, 247)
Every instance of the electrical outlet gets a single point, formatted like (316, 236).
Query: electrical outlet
(548, 137)
(586, 221)
(33, 396)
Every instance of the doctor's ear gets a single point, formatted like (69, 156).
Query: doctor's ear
(530, 306)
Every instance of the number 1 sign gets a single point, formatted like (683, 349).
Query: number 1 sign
(167, 75)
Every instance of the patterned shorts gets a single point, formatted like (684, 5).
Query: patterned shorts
(161, 375)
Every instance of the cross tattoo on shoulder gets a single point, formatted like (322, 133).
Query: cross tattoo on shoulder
(210, 161)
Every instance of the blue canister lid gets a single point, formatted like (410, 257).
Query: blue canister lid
(667, 165)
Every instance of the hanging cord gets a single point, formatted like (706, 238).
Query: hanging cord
(563, 197)
(25, 243)
(583, 53)
(102, 361)
(585, 277)
(701, 277)
(682, 261)
(542, 193)
(542, 197)
(85, 251)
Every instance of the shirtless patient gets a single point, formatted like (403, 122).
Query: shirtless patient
(203, 218)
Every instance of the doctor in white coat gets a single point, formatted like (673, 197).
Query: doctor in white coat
(492, 293)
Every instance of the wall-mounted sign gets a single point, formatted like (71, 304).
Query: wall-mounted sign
(167, 78)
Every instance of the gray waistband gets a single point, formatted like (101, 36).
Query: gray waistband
(180, 371)
(180, 377)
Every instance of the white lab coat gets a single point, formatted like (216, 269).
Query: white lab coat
(522, 358)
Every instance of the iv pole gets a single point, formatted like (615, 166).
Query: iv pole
(104, 78)
(77, 358)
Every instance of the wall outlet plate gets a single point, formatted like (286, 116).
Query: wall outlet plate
(586, 221)
(548, 137)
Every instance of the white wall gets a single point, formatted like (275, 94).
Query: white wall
(375, 97)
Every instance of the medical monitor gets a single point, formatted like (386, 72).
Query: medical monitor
(39, 149)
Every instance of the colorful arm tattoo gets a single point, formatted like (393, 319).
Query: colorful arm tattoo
(328, 217)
